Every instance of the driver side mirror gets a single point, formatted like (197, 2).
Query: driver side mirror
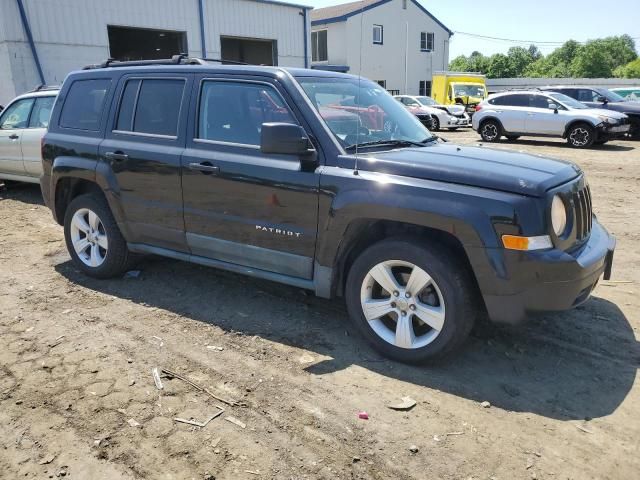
(285, 139)
(554, 107)
(601, 99)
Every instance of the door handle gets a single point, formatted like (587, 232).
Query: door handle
(205, 167)
(117, 156)
(13, 136)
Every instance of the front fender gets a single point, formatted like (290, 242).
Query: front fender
(476, 217)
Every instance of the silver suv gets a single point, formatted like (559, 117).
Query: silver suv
(23, 123)
(536, 113)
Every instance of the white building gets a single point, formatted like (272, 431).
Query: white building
(41, 41)
(402, 43)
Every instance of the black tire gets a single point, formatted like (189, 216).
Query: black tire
(435, 124)
(490, 131)
(452, 279)
(512, 138)
(117, 257)
(581, 135)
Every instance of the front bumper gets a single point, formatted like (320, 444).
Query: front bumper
(606, 131)
(550, 280)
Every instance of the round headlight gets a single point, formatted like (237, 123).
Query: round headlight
(558, 215)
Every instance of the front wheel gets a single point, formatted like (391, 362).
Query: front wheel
(581, 135)
(412, 303)
(491, 131)
(93, 238)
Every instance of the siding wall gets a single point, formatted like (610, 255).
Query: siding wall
(72, 33)
(387, 61)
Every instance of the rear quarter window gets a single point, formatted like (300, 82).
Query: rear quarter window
(84, 104)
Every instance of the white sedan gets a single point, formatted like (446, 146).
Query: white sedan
(451, 117)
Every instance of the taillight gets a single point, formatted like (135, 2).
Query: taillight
(478, 107)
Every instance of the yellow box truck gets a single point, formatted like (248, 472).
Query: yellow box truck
(459, 88)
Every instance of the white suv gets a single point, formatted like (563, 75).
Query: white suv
(536, 113)
(23, 123)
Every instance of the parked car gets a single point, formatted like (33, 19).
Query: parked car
(632, 94)
(441, 116)
(427, 116)
(604, 99)
(550, 114)
(192, 162)
(23, 123)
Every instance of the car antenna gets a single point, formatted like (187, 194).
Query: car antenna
(355, 168)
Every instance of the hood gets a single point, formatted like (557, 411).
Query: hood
(628, 106)
(454, 109)
(607, 113)
(502, 170)
(423, 110)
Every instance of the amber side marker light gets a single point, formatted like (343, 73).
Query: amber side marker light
(515, 242)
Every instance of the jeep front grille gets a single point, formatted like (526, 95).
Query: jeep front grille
(582, 212)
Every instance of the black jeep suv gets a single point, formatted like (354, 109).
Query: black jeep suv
(321, 181)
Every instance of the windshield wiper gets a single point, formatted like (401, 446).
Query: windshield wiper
(395, 143)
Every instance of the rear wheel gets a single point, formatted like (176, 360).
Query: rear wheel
(491, 131)
(413, 303)
(436, 123)
(93, 238)
(581, 135)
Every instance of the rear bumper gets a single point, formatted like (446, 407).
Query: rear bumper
(550, 280)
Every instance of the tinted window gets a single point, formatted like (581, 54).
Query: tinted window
(41, 112)
(84, 104)
(128, 106)
(539, 101)
(518, 100)
(234, 112)
(17, 115)
(158, 107)
(587, 95)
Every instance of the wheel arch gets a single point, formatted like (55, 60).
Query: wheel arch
(362, 233)
(490, 117)
(575, 122)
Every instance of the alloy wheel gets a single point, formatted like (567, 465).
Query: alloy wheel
(403, 304)
(490, 132)
(579, 137)
(89, 238)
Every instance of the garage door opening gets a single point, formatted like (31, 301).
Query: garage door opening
(129, 43)
(249, 50)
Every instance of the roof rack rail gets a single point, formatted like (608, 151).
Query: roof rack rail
(181, 59)
(44, 88)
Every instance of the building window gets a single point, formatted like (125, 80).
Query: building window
(319, 46)
(377, 34)
(427, 40)
(382, 83)
(425, 88)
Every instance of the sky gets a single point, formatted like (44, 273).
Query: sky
(538, 20)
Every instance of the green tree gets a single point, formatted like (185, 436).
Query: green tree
(499, 66)
(630, 70)
(591, 62)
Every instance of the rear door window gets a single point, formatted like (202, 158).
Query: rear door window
(41, 112)
(84, 105)
(517, 100)
(151, 106)
(16, 115)
(234, 112)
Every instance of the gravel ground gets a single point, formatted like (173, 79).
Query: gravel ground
(77, 396)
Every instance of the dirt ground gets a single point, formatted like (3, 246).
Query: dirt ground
(78, 400)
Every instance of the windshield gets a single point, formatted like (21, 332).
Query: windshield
(362, 112)
(426, 101)
(568, 101)
(468, 90)
(610, 96)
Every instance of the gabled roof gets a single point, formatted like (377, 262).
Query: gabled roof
(340, 13)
